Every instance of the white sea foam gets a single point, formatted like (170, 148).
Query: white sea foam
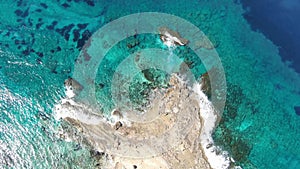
(218, 158)
(69, 92)
(69, 108)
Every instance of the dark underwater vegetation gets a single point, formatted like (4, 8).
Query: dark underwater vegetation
(258, 43)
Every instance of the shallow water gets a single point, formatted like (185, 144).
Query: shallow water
(40, 40)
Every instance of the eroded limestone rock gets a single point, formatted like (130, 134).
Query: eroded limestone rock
(130, 145)
(171, 38)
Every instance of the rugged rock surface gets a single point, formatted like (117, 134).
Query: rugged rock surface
(167, 135)
(171, 38)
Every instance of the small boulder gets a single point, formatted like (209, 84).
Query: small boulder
(73, 87)
(171, 38)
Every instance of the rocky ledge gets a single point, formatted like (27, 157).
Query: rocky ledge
(167, 137)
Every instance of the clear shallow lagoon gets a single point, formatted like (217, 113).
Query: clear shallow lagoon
(40, 41)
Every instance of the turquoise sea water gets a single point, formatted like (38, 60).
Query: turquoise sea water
(40, 40)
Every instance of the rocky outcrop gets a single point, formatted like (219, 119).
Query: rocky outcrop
(167, 136)
(171, 38)
(73, 87)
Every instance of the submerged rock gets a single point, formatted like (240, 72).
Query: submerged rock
(205, 85)
(297, 110)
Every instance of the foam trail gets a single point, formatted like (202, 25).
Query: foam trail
(71, 109)
(217, 158)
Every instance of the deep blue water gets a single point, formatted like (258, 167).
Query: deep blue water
(278, 20)
(40, 41)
